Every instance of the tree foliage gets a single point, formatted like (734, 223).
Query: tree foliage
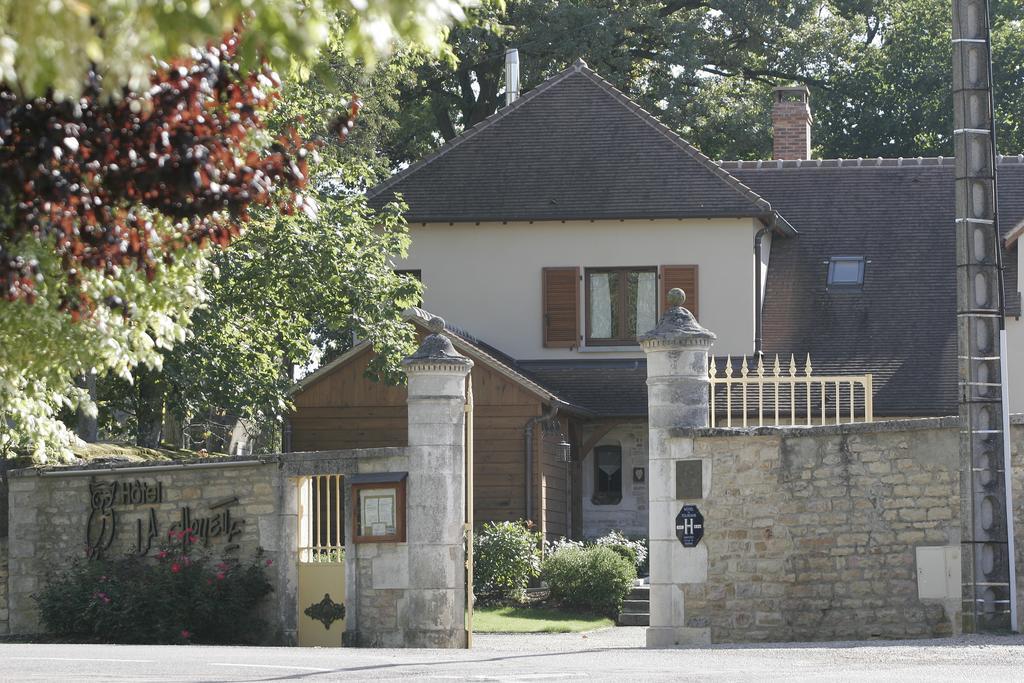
(100, 204)
(89, 176)
(292, 287)
(43, 45)
(118, 171)
(879, 70)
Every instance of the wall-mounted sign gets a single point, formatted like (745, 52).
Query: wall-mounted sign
(639, 475)
(689, 526)
(110, 500)
(378, 507)
(689, 479)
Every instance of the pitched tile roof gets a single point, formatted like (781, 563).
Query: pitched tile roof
(574, 148)
(604, 387)
(899, 215)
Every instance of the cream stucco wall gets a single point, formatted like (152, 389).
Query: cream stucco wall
(1015, 349)
(486, 278)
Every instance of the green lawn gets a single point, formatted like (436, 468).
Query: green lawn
(534, 620)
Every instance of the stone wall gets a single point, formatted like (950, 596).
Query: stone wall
(239, 508)
(1017, 490)
(811, 533)
(408, 592)
(4, 613)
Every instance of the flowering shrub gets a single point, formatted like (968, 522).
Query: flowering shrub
(552, 547)
(634, 551)
(506, 555)
(182, 597)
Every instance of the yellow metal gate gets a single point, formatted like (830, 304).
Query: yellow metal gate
(321, 594)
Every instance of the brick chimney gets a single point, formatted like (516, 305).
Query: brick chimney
(791, 122)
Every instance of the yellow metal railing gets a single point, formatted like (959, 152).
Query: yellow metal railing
(321, 519)
(781, 396)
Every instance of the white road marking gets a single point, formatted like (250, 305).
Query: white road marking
(271, 666)
(85, 659)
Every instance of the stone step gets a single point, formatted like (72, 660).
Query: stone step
(640, 593)
(636, 606)
(634, 619)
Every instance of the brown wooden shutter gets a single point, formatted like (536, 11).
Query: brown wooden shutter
(561, 307)
(684, 277)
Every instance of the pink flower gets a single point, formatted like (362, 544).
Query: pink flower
(186, 634)
(193, 539)
(220, 576)
(161, 555)
(175, 567)
(270, 562)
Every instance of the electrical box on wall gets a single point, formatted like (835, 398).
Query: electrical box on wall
(938, 572)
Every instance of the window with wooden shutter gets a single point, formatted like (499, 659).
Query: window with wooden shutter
(621, 304)
(685, 278)
(561, 307)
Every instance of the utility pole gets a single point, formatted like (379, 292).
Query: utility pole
(986, 521)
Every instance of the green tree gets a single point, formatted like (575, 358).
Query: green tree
(109, 205)
(43, 45)
(289, 286)
(879, 70)
(293, 286)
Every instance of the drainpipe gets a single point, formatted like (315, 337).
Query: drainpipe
(286, 436)
(528, 443)
(758, 236)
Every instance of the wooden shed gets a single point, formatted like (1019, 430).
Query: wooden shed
(517, 428)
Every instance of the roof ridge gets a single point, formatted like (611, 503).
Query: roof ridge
(474, 130)
(676, 139)
(859, 162)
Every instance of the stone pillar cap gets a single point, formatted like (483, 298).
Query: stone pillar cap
(677, 326)
(437, 348)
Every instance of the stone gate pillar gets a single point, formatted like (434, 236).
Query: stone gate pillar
(433, 611)
(677, 396)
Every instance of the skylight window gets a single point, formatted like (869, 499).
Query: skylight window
(846, 272)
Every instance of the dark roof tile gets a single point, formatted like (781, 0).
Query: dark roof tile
(902, 326)
(574, 148)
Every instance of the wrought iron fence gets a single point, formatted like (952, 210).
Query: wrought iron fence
(745, 396)
(321, 519)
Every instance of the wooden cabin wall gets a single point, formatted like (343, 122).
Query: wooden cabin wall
(343, 409)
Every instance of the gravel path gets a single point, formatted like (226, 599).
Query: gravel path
(619, 637)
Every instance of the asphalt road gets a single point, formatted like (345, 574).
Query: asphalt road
(610, 655)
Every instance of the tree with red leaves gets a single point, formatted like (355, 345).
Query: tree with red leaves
(106, 209)
(94, 177)
(126, 151)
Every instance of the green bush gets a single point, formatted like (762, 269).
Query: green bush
(595, 579)
(506, 555)
(182, 597)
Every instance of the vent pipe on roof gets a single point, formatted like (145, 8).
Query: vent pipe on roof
(511, 75)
